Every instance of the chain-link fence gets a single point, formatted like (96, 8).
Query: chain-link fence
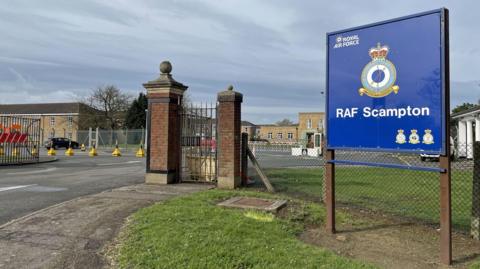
(127, 139)
(406, 193)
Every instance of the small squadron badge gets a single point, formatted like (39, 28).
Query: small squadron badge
(428, 137)
(379, 75)
(400, 139)
(413, 138)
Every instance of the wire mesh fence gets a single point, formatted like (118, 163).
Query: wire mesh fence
(404, 193)
(107, 139)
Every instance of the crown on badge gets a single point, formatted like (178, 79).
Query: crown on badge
(378, 52)
(427, 131)
(400, 131)
(414, 131)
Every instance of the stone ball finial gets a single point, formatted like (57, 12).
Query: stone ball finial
(230, 88)
(165, 67)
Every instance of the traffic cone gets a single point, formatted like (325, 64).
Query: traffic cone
(140, 152)
(116, 152)
(83, 148)
(93, 151)
(34, 151)
(69, 152)
(51, 152)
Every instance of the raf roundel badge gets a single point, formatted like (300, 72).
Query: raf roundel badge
(379, 75)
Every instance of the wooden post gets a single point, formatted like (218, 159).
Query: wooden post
(330, 190)
(475, 220)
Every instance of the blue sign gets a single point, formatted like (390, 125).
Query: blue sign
(386, 86)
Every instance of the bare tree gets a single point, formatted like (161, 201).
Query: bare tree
(284, 122)
(110, 104)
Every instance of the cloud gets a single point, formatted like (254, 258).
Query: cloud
(272, 51)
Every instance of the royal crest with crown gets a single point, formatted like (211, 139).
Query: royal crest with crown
(428, 137)
(413, 138)
(400, 138)
(379, 75)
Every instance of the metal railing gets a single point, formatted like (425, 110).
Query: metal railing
(19, 140)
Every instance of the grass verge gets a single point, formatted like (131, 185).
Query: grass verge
(192, 232)
(401, 192)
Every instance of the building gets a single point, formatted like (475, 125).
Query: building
(249, 128)
(56, 119)
(468, 130)
(278, 134)
(310, 123)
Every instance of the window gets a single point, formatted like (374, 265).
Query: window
(279, 135)
(309, 124)
(52, 133)
(69, 136)
(70, 121)
(290, 136)
(52, 121)
(270, 135)
(320, 124)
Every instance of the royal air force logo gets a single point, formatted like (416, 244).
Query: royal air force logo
(379, 75)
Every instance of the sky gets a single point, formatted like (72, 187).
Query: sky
(272, 51)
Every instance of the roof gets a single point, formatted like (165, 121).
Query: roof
(43, 108)
(468, 111)
(311, 112)
(247, 123)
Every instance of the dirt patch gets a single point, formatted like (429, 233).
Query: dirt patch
(389, 243)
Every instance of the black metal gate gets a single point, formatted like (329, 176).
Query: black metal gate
(19, 140)
(199, 143)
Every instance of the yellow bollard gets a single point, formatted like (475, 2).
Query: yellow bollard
(69, 152)
(116, 152)
(2, 152)
(83, 148)
(15, 152)
(34, 151)
(140, 152)
(51, 152)
(93, 151)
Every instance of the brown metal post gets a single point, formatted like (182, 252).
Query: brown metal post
(244, 159)
(330, 190)
(445, 177)
(475, 219)
(445, 211)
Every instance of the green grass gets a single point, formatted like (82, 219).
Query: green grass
(402, 192)
(192, 232)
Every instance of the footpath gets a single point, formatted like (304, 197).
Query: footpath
(72, 234)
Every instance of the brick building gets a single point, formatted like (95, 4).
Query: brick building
(56, 119)
(249, 128)
(309, 123)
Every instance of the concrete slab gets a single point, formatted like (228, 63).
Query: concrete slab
(254, 203)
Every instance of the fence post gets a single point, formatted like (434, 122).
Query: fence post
(163, 127)
(126, 139)
(96, 138)
(475, 221)
(244, 159)
(90, 137)
(229, 117)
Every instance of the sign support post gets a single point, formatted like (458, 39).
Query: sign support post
(445, 161)
(330, 190)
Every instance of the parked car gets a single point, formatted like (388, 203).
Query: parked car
(436, 157)
(60, 142)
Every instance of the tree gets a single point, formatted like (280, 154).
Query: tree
(136, 116)
(463, 107)
(284, 122)
(110, 104)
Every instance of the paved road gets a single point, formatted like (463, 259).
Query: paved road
(25, 189)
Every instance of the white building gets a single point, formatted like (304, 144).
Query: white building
(468, 130)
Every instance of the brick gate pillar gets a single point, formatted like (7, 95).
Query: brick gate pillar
(163, 151)
(229, 136)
